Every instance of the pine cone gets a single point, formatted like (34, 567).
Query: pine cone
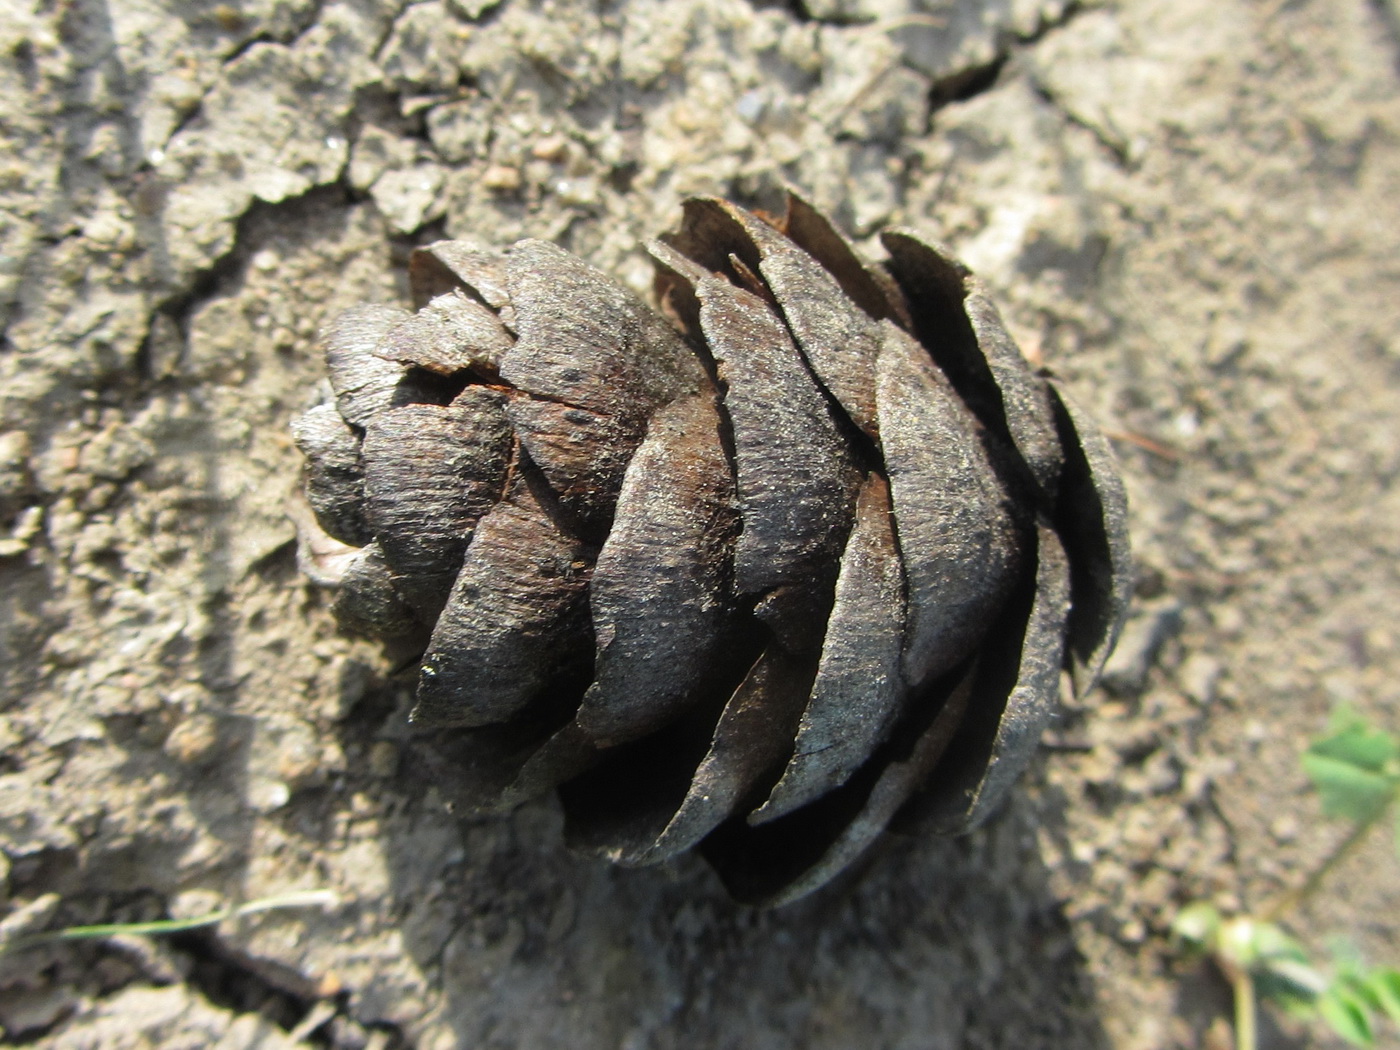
(756, 579)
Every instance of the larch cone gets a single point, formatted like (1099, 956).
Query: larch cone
(807, 549)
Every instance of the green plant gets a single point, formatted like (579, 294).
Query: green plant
(300, 899)
(1355, 769)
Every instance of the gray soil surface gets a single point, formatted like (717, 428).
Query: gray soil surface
(1190, 209)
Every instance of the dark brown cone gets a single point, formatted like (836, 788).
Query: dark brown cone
(754, 586)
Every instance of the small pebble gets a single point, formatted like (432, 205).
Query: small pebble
(195, 740)
(501, 178)
(266, 796)
(25, 1011)
(554, 148)
(195, 904)
(1285, 828)
(1142, 638)
(383, 759)
(1199, 677)
(29, 918)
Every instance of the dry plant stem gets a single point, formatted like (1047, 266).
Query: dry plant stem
(1292, 899)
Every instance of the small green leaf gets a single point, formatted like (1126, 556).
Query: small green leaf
(1348, 790)
(1350, 739)
(1301, 1009)
(1285, 978)
(1347, 1016)
(1294, 977)
(1355, 982)
(1384, 983)
(1197, 925)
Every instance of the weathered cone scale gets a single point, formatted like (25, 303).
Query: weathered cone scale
(806, 549)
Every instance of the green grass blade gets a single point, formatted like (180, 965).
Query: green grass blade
(298, 899)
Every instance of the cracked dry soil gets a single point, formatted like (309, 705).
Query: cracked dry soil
(1190, 210)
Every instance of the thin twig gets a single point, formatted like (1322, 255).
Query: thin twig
(1142, 441)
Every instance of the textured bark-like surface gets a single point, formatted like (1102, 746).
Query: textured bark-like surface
(585, 340)
(796, 475)
(448, 266)
(1014, 696)
(951, 313)
(838, 340)
(596, 363)
(662, 592)
(449, 334)
(431, 472)
(1184, 215)
(956, 530)
(1094, 506)
(512, 618)
(368, 600)
(859, 689)
(335, 485)
(751, 739)
(363, 382)
(783, 860)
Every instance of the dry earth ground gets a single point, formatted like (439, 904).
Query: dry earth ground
(1190, 209)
